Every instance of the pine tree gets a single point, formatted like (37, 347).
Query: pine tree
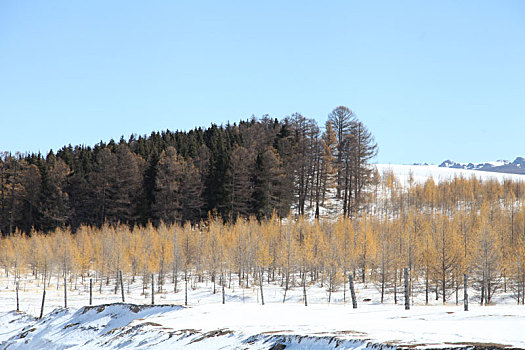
(102, 181)
(341, 120)
(170, 173)
(128, 185)
(54, 201)
(268, 191)
(242, 165)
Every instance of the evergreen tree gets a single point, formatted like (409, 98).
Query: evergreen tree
(241, 188)
(128, 185)
(170, 172)
(103, 180)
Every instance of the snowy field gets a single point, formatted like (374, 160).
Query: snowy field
(421, 173)
(243, 323)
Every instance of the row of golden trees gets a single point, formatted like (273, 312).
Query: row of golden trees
(438, 231)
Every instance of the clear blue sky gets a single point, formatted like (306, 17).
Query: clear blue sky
(431, 79)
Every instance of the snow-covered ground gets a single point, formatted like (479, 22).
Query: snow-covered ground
(421, 173)
(244, 323)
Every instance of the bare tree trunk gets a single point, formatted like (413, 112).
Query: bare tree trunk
(186, 288)
(395, 286)
(43, 301)
(286, 285)
(382, 286)
(407, 292)
(223, 294)
(443, 281)
(344, 288)
(457, 290)
(121, 286)
(175, 281)
(261, 284)
(304, 289)
(482, 289)
(65, 291)
(426, 286)
(90, 291)
(18, 303)
(152, 289)
(519, 284)
(352, 291)
(465, 292)
(330, 281)
(523, 289)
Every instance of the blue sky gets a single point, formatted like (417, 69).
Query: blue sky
(431, 79)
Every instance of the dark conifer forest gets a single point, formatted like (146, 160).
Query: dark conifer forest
(251, 168)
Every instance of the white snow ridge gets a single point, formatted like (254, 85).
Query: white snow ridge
(123, 326)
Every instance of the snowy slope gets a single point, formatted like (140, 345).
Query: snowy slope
(254, 326)
(421, 173)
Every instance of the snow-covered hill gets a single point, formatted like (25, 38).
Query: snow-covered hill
(420, 173)
(501, 166)
(272, 326)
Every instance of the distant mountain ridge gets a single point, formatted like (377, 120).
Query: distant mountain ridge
(500, 166)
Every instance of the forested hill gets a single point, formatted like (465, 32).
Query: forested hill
(254, 167)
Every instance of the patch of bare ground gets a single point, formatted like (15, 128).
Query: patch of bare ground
(455, 345)
(346, 332)
(277, 332)
(211, 334)
(480, 346)
(135, 308)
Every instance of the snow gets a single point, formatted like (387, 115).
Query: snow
(244, 323)
(421, 173)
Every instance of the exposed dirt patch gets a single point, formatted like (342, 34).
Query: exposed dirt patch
(183, 333)
(132, 307)
(277, 332)
(278, 346)
(356, 333)
(458, 345)
(25, 333)
(71, 325)
(153, 324)
(479, 346)
(211, 334)
(352, 333)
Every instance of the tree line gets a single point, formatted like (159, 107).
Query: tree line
(252, 168)
(438, 231)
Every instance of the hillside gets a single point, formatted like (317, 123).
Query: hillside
(251, 168)
(500, 166)
(421, 173)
